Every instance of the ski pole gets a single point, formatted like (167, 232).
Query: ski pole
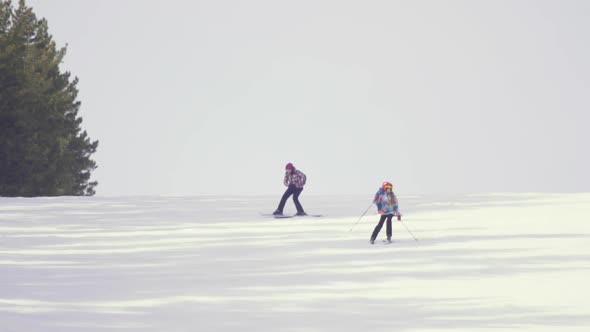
(361, 217)
(408, 230)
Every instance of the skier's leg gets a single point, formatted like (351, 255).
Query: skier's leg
(283, 201)
(298, 206)
(378, 228)
(389, 217)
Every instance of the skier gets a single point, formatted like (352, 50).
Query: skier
(387, 207)
(294, 180)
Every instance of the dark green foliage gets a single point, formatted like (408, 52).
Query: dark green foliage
(43, 151)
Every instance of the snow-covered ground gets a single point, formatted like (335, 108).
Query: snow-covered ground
(482, 263)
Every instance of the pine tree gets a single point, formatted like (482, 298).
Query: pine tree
(43, 150)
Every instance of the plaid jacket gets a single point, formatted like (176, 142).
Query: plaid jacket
(295, 178)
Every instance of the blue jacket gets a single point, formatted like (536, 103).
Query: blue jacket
(386, 203)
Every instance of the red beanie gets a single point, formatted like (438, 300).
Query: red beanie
(289, 166)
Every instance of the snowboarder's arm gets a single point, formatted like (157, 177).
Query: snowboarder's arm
(286, 180)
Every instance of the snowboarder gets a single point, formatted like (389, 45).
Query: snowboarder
(294, 180)
(387, 207)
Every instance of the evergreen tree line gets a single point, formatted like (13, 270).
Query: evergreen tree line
(43, 150)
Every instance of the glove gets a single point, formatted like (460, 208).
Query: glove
(399, 217)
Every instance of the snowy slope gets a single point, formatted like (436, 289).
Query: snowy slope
(482, 263)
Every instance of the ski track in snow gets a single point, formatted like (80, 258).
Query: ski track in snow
(482, 263)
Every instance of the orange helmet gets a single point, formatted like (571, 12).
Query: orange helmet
(386, 184)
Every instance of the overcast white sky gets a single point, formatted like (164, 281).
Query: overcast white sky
(213, 97)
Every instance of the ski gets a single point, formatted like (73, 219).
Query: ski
(383, 242)
(283, 216)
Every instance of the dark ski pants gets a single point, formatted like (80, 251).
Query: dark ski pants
(380, 225)
(292, 190)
